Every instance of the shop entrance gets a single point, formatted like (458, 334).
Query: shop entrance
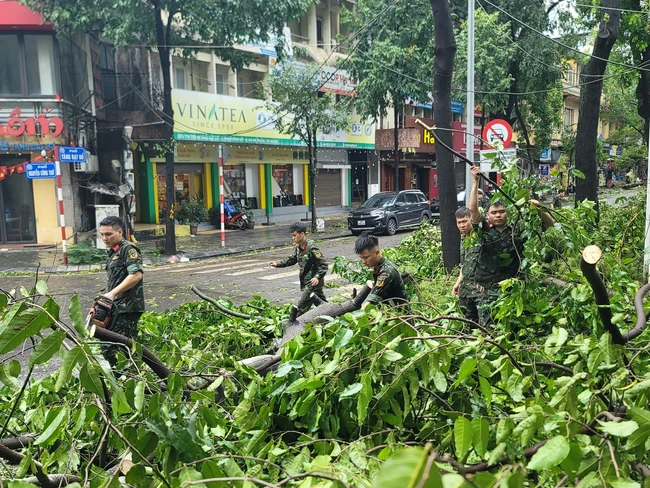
(359, 182)
(18, 224)
(188, 186)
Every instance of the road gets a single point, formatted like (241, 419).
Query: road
(236, 277)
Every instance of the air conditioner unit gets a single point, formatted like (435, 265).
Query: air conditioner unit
(90, 166)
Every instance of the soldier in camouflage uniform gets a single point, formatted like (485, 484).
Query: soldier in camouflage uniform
(388, 284)
(313, 268)
(125, 282)
(470, 294)
(500, 249)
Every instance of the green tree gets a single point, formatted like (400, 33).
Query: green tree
(392, 57)
(166, 24)
(304, 112)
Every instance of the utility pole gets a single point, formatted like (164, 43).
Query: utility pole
(469, 136)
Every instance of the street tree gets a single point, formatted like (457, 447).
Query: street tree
(392, 60)
(173, 27)
(591, 79)
(302, 111)
(444, 50)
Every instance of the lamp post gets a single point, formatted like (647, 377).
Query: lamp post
(469, 136)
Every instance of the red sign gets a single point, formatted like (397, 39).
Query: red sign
(496, 131)
(41, 125)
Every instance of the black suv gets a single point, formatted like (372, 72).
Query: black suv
(389, 211)
(435, 205)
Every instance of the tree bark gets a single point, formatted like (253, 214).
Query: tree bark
(312, 180)
(590, 94)
(163, 38)
(395, 146)
(444, 53)
(643, 92)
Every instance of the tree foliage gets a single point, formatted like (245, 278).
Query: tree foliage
(305, 112)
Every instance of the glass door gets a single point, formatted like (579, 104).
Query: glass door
(18, 222)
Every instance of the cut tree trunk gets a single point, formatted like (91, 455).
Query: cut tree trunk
(444, 53)
(590, 94)
(643, 91)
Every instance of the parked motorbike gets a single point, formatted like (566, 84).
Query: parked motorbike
(234, 218)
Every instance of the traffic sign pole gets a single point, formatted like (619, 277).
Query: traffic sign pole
(59, 192)
(221, 209)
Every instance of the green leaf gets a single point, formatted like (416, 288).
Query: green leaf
(286, 368)
(571, 464)
(497, 454)
(89, 379)
(624, 483)
(6, 377)
(342, 338)
(486, 389)
(53, 425)
(405, 469)
(638, 437)
(440, 381)
(76, 315)
(70, 360)
(210, 470)
(41, 287)
(21, 484)
(619, 429)
(467, 367)
(364, 398)
(138, 396)
(480, 435)
(639, 415)
(358, 454)
(21, 327)
(351, 391)
(391, 356)
(47, 348)
(462, 436)
(136, 475)
(550, 454)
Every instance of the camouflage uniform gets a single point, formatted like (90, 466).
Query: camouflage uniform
(123, 260)
(496, 258)
(388, 284)
(312, 265)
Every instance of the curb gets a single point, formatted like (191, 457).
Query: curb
(180, 257)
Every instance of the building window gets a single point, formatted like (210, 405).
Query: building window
(180, 78)
(568, 116)
(36, 54)
(220, 85)
(319, 31)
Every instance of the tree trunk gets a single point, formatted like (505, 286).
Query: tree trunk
(643, 92)
(590, 94)
(444, 53)
(313, 161)
(396, 146)
(163, 37)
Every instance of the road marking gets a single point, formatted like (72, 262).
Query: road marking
(329, 277)
(278, 275)
(249, 271)
(197, 265)
(221, 267)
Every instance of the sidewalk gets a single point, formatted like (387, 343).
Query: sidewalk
(206, 245)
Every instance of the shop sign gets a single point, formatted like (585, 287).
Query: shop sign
(25, 146)
(337, 81)
(205, 117)
(261, 155)
(18, 126)
(40, 171)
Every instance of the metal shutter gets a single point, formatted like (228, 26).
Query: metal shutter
(328, 188)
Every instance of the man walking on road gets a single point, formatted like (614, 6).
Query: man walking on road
(388, 284)
(313, 268)
(125, 282)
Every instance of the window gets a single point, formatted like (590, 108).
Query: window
(568, 116)
(179, 74)
(10, 78)
(411, 198)
(28, 65)
(221, 89)
(319, 31)
(401, 199)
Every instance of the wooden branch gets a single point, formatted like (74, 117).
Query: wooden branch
(18, 442)
(261, 364)
(641, 315)
(58, 480)
(590, 257)
(214, 302)
(313, 315)
(41, 478)
(148, 357)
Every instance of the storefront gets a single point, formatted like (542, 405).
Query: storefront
(262, 166)
(28, 209)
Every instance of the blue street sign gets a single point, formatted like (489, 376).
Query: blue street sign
(40, 171)
(72, 154)
(544, 169)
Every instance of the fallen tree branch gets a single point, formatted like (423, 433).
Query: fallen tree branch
(590, 257)
(221, 308)
(18, 442)
(58, 480)
(41, 478)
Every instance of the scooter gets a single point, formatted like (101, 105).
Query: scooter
(234, 217)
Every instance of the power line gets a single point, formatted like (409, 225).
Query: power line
(647, 12)
(559, 43)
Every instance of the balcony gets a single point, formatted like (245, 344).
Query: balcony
(126, 92)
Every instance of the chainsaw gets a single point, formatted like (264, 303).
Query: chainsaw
(102, 314)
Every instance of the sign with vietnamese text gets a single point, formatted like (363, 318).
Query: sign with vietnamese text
(40, 171)
(18, 126)
(72, 154)
(205, 117)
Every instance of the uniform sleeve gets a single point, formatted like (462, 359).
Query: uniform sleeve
(320, 262)
(379, 292)
(290, 261)
(133, 260)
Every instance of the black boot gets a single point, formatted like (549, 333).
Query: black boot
(316, 300)
(293, 315)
